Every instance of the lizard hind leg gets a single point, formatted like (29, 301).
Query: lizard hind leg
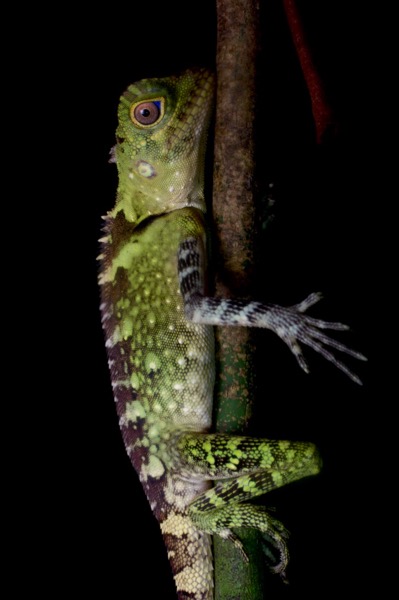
(220, 521)
(243, 468)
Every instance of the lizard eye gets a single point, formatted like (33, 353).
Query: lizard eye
(144, 114)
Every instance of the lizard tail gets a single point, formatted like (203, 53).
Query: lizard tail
(190, 556)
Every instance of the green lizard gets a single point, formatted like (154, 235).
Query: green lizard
(158, 326)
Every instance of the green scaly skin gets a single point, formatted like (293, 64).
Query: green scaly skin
(159, 337)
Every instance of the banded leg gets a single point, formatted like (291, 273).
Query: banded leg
(289, 323)
(243, 468)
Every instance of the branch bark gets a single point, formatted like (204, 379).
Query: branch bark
(234, 221)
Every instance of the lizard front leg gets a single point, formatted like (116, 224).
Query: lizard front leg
(291, 323)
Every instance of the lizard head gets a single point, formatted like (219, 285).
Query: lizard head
(160, 146)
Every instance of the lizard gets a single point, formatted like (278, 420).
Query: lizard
(158, 323)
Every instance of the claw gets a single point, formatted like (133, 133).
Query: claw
(229, 535)
(277, 540)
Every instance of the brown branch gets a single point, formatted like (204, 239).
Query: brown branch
(234, 219)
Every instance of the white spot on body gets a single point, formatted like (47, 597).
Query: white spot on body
(134, 411)
(194, 352)
(152, 362)
(153, 432)
(155, 467)
(135, 381)
(194, 379)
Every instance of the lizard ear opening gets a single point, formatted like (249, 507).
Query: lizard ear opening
(148, 113)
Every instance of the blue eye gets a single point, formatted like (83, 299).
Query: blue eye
(147, 113)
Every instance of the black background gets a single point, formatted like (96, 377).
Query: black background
(95, 528)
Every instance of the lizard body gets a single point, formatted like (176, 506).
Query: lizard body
(158, 322)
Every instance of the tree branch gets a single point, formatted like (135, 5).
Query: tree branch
(234, 220)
